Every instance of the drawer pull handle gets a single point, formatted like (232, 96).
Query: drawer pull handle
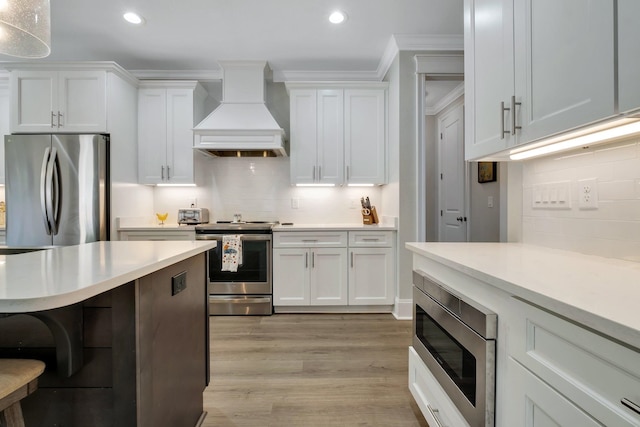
(436, 416)
(370, 240)
(629, 404)
(310, 240)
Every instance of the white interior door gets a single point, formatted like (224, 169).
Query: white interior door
(453, 219)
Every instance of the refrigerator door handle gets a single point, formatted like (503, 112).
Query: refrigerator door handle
(43, 190)
(55, 192)
(48, 192)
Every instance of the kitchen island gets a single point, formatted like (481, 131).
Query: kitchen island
(122, 327)
(568, 332)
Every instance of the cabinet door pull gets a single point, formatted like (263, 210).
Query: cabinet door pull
(306, 260)
(351, 259)
(52, 116)
(162, 172)
(313, 260)
(513, 115)
(60, 124)
(168, 173)
(503, 109)
(629, 404)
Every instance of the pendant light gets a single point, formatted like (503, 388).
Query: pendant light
(25, 28)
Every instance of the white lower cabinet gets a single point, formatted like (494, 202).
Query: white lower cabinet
(321, 269)
(585, 369)
(535, 404)
(371, 276)
(310, 276)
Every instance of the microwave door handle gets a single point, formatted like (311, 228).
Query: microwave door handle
(43, 190)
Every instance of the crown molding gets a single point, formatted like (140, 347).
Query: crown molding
(71, 65)
(418, 42)
(200, 75)
(305, 76)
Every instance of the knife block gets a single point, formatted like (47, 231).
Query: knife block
(369, 216)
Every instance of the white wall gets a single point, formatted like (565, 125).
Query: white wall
(401, 193)
(485, 220)
(613, 230)
(128, 198)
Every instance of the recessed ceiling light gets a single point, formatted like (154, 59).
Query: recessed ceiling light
(337, 17)
(133, 18)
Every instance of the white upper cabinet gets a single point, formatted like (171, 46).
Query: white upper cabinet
(338, 133)
(303, 153)
(534, 68)
(628, 55)
(58, 101)
(365, 136)
(564, 63)
(489, 75)
(167, 112)
(317, 136)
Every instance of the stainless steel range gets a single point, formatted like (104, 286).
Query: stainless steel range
(246, 288)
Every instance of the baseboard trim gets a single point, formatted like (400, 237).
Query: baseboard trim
(403, 309)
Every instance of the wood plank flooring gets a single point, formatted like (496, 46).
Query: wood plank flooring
(308, 370)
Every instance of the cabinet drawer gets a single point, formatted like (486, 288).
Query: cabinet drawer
(158, 235)
(366, 238)
(309, 239)
(587, 368)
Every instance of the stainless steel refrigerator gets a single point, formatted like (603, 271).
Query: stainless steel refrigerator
(56, 189)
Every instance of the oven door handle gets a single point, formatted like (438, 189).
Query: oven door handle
(226, 300)
(244, 237)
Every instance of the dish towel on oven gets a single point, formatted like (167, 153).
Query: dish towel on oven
(231, 252)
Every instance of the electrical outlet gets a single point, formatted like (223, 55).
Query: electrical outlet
(588, 193)
(295, 203)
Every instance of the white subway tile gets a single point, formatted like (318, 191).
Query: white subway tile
(616, 190)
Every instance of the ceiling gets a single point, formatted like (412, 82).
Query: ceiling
(292, 35)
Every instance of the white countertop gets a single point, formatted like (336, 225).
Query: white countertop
(62, 276)
(333, 227)
(157, 227)
(601, 293)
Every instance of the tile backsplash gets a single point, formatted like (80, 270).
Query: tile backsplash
(260, 189)
(612, 229)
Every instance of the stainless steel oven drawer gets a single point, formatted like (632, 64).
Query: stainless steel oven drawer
(243, 305)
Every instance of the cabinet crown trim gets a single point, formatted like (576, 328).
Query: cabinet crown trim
(109, 66)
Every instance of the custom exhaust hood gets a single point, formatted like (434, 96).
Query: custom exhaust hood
(242, 125)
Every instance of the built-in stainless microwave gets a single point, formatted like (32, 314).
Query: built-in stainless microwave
(456, 340)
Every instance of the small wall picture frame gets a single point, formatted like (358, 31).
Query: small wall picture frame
(487, 172)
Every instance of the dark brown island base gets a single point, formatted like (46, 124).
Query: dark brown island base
(135, 354)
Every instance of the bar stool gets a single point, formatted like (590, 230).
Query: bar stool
(18, 379)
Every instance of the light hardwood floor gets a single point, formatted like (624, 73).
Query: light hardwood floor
(307, 370)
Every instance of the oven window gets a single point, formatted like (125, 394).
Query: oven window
(254, 266)
(456, 361)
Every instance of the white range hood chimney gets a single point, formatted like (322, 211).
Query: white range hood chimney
(242, 125)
